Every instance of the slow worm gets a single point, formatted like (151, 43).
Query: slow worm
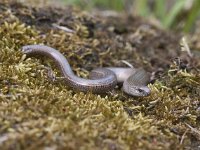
(101, 80)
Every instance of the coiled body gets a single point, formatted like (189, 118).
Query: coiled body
(101, 79)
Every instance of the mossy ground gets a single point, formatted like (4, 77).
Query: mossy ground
(36, 113)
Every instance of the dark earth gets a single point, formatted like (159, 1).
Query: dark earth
(128, 38)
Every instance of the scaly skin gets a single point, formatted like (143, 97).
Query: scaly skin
(102, 79)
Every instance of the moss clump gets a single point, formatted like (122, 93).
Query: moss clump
(37, 113)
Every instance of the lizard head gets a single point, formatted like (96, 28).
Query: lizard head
(138, 91)
(136, 84)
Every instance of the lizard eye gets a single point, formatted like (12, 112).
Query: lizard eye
(140, 90)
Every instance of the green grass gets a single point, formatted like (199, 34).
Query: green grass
(192, 17)
(105, 4)
(168, 17)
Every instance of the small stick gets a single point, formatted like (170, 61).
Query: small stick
(63, 28)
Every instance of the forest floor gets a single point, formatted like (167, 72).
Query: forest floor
(36, 113)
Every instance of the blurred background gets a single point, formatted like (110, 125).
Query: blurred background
(181, 15)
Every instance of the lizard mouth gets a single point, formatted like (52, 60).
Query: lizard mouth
(145, 90)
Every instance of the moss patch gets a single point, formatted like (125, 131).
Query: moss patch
(37, 113)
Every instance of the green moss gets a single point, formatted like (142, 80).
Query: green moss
(36, 113)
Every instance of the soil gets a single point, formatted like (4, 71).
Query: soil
(127, 37)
